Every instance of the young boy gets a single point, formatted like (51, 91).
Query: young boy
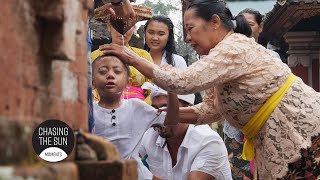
(124, 122)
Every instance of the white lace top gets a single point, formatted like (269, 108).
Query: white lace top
(238, 76)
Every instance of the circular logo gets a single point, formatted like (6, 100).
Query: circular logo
(53, 140)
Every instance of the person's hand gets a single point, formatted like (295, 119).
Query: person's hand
(162, 109)
(123, 53)
(125, 10)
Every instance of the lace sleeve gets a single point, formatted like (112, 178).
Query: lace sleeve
(206, 110)
(216, 68)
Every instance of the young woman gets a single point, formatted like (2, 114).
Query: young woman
(159, 40)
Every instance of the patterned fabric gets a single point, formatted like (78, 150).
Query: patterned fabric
(240, 168)
(308, 167)
(232, 132)
(238, 76)
(133, 92)
(137, 78)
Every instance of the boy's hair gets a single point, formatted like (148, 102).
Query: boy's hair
(103, 56)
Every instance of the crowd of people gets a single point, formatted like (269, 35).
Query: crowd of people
(271, 117)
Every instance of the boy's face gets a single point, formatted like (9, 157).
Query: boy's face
(109, 76)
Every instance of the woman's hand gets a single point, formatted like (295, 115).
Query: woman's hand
(125, 10)
(129, 57)
(122, 52)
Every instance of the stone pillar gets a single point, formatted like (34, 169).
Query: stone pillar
(44, 61)
(44, 76)
(304, 55)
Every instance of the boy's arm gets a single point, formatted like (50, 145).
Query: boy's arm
(172, 117)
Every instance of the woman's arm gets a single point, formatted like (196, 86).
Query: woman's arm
(191, 115)
(188, 115)
(129, 57)
(216, 68)
(203, 113)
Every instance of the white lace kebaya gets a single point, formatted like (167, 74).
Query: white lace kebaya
(238, 76)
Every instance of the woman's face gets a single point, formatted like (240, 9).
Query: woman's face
(117, 37)
(255, 27)
(157, 34)
(201, 34)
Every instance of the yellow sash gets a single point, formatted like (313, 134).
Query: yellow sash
(252, 128)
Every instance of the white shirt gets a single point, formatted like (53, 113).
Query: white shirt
(179, 61)
(132, 119)
(275, 54)
(202, 149)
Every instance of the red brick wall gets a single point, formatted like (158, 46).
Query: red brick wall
(34, 85)
(315, 74)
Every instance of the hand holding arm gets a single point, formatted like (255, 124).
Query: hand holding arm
(186, 115)
(203, 113)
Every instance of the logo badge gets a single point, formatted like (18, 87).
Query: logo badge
(53, 140)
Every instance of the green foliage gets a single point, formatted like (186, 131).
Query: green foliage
(160, 7)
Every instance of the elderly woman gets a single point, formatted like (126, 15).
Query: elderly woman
(247, 85)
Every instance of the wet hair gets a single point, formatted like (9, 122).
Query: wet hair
(99, 58)
(170, 46)
(255, 13)
(205, 9)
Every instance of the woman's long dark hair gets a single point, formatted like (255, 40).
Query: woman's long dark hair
(170, 47)
(255, 13)
(207, 8)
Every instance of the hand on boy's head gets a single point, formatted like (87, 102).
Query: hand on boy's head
(122, 52)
